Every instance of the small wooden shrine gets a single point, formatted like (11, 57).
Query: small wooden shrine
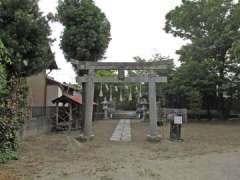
(68, 112)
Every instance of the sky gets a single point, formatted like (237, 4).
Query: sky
(136, 30)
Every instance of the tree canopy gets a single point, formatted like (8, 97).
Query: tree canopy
(4, 56)
(87, 31)
(25, 33)
(212, 27)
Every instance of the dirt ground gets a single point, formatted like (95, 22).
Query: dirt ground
(210, 151)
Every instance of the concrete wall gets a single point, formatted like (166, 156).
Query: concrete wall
(41, 94)
(53, 92)
(37, 89)
(41, 122)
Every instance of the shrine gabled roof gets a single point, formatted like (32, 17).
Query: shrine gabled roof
(70, 99)
(77, 99)
(51, 81)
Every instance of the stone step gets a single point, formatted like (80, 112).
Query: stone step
(124, 116)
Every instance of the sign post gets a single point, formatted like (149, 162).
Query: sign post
(175, 127)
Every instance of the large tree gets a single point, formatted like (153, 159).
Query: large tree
(25, 33)
(87, 31)
(212, 28)
(190, 82)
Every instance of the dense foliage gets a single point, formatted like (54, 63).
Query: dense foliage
(87, 30)
(4, 59)
(13, 111)
(12, 108)
(213, 32)
(25, 33)
(191, 86)
(24, 51)
(7, 135)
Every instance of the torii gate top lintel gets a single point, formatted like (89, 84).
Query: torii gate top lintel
(89, 65)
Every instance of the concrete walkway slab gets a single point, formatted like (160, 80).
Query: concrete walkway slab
(123, 131)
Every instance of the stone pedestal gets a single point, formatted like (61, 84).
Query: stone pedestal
(105, 114)
(154, 138)
(84, 138)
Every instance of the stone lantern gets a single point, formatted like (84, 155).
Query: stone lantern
(142, 108)
(105, 104)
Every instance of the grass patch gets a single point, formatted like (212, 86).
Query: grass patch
(7, 155)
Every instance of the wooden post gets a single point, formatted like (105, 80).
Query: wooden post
(57, 111)
(153, 134)
(70, 116)
(83, 107)
(77, 120)
(88, 133)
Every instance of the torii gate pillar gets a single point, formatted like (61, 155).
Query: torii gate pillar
(153, 132)
(89, 94)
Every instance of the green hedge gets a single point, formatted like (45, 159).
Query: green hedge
(8, 140)
(6, 155)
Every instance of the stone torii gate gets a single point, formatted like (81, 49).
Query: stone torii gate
(150, 78)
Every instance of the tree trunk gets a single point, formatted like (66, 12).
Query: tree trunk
(221, 107)
(209, 115)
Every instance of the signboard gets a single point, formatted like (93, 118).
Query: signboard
(177, 119)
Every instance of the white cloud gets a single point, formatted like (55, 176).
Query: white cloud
(136, 30)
